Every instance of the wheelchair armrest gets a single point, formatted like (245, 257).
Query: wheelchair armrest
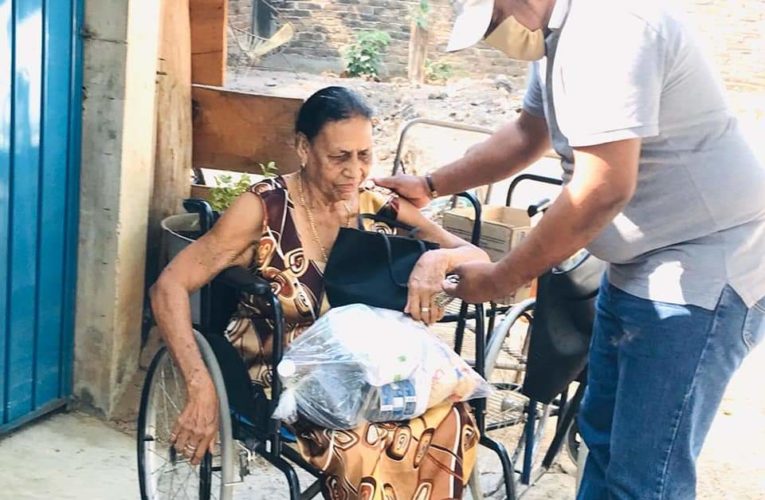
(475, 236)
(243, 280)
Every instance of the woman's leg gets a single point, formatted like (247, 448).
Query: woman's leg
(428, 457)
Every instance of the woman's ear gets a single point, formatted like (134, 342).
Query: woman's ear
(303, 146)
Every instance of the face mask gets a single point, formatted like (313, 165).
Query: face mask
(517, 41)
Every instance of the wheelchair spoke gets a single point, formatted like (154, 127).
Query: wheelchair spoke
(164, 401)
(191, 470)
(175, 377)
(167, 395)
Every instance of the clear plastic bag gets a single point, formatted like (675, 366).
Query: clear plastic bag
(359, 363)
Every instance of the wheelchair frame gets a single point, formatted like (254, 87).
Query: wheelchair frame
(268, 442)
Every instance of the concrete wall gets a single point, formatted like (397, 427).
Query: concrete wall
(117, 169)
(733, 30)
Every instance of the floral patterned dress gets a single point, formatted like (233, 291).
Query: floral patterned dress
(427, 458)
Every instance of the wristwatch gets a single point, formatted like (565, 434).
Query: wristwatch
(433, 193)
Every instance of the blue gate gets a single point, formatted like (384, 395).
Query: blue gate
(40, 103)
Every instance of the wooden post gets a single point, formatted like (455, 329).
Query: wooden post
(208, 41)
(172, 167)
(418, 53)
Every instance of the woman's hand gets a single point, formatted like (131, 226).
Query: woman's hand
(196, 428)
(424, 283)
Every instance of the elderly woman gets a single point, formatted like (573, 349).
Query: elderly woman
(283, 229)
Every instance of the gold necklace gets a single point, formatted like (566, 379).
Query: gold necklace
(312, 223)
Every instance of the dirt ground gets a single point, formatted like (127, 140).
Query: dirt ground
(77, 456)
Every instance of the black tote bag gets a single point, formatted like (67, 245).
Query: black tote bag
(372, 268)
(562, 327)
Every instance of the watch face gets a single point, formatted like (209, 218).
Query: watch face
(572, 262)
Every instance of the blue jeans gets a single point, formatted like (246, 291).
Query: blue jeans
(657, 374)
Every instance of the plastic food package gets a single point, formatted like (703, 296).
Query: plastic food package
(359, 363)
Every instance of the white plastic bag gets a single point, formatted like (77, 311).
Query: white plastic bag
(358, 363)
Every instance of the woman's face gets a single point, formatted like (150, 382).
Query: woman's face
(339, 157)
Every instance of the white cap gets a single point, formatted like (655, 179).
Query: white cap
(472, 20)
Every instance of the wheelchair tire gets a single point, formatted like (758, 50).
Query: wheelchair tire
(162, 473)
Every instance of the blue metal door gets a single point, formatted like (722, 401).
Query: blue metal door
(40, 60)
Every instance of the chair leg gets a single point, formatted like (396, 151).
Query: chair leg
(566, 419)
(508, 472)
(289, 473)
(529, 445)
(312, 491)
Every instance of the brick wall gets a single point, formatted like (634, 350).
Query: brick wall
(325, 27)
(732, 29)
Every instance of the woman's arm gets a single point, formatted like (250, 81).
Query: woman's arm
(228, 243)
(429, 272)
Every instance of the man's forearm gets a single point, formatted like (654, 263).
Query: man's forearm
(564, 229)
(604, 182)
(508, 151)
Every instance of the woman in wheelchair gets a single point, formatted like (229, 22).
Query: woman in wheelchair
(284, 229)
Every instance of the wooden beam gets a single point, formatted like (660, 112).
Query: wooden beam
(208, 41)
(418, 53)
(201, 192)
(237, 130)
(172, 160)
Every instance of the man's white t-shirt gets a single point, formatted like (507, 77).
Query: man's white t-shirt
(622, 69)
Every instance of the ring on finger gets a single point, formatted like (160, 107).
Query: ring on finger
(425, 309)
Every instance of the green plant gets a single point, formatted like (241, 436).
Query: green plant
(420, 13)
(269, 169)
(438, 71)
(227, 190)
(364, 56)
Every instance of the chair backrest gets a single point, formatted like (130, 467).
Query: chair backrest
(255, 47)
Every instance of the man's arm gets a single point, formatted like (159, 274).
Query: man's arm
(508, 151)
(604, 181)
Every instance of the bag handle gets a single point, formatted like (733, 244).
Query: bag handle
(411, 230)
(389, 251)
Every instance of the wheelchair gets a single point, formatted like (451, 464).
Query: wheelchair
(247, 433)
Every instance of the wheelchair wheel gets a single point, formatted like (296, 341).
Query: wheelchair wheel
(573, 442)
(507, 409)
(164, 474)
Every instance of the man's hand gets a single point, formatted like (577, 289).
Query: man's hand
(412, 187)
(479, 282)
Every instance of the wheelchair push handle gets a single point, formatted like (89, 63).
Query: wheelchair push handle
(205, 211)
(539, 207)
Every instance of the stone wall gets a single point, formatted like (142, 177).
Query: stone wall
(732, 29)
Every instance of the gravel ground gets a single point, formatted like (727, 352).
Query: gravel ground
(77, 456)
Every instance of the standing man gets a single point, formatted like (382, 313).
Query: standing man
(662, 186)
